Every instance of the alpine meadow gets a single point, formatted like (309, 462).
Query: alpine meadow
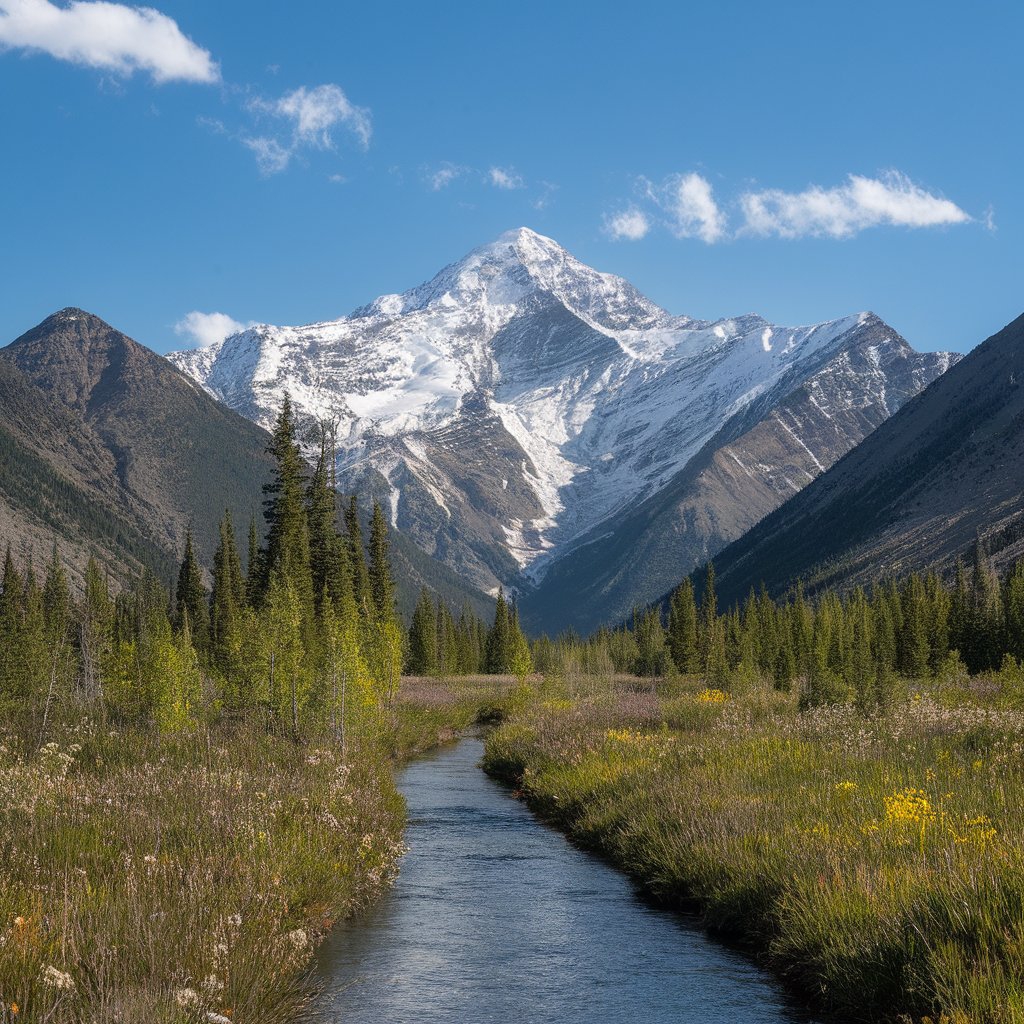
(555, 551)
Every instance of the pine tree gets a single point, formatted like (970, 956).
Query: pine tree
(287, 548)
(499, 639)
(520, 659)
(422, 657)
(357, 559)
(57, 598)
(255, 572)
(382, 586)
(327, 553)
(228, 599)
(682, 637)
(191, 600)
(1015, 612)
(652, 654)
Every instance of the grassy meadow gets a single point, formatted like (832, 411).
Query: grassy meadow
(189, 876)
(875, 860)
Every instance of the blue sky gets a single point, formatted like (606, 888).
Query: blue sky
(289, 162)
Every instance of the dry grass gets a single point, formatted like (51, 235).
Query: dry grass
(189, 877)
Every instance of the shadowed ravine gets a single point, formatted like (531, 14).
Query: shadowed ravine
(497, 918)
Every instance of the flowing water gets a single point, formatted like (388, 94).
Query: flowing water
(496, 917)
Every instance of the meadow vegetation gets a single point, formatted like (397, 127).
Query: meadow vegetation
(194, 786)
(875, 859)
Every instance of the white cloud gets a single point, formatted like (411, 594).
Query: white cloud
(505, 177)
(842, 211)
(689, 202)
(109, 36)
(630, 224)
(271, 156)
(444, 175)
(204, 329)
(314, 114)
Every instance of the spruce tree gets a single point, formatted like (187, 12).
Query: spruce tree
(287, 548)
(357, 558)
(327, 554)
(422, 656)
(499, 641)
(682, 637)
(382, 586)
(191, 600)
(229, 597)
(1015, 611)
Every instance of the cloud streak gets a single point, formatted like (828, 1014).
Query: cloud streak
(108, 36)
(685, 205)
(847, 209)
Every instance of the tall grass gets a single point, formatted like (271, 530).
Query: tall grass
(189, 877)
(877, 862)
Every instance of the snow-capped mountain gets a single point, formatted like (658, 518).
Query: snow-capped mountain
(522, 403)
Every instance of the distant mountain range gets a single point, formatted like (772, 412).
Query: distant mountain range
(111, 451)
(535, 424)
(946, 470)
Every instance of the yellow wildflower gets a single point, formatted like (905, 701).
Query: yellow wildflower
(710, 696)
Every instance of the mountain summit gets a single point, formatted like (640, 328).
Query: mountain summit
(538, 424)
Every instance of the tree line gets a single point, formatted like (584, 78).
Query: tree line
(307, 635)
(837, 648)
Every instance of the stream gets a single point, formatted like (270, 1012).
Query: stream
(496, 917)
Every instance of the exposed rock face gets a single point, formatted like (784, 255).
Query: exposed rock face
(946, 469)
(537, 424)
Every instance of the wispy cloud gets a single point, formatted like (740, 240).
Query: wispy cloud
(444, 175)
(842, 211)
(630, 224)
(314, 116)
(688, 201)
(108, 36)
(505, 177)
(200, 330)
(686, 205)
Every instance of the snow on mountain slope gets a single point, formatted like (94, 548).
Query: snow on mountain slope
(512, 404)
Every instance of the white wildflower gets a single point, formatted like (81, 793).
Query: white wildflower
(58, 979)
(187, 997)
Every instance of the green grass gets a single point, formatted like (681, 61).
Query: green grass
(190, 877)
(877, 863)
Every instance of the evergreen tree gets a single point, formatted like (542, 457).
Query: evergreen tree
(287, 548)
(499, 639)
(1015, 612)
(327, 552)
(422, 658)
(357, 558)
(682, 637)
(191, 600)
(382, 586)
(228, 599)
(255, 573)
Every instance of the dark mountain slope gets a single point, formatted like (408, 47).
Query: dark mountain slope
(915, 494)
(110, 450)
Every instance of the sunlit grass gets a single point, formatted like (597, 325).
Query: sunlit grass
(189, 877)
(877, 861)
